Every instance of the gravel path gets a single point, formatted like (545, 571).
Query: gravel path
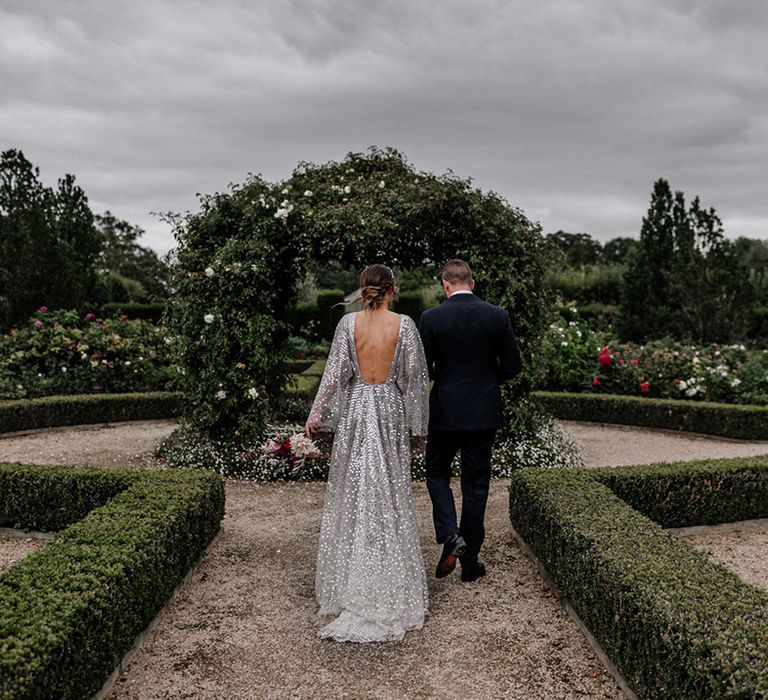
(245, 625)
(14, 549)
(743, 548)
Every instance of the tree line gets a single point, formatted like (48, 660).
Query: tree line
(682, 278)
(55, 251)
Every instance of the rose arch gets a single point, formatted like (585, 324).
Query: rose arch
(238, 261)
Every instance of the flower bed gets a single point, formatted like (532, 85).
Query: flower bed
(726, 420)
(578, 359)
(69, 612)
(675, 624)
(64, 352)
(90, 408)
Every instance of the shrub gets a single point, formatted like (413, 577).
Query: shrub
(726, 420)
(317, 321)
(69, 612)
(576, 359)
(675, 625)
(64, 352)
(133, 311)
(80, 410)
(589, 284)
(411, 304)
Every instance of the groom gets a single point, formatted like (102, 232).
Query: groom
(470, 349)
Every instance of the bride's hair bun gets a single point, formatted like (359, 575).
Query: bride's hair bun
(375, 282)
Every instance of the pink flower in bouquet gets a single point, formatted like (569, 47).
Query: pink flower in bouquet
(43, 309)
(90, 316)
(38, 323)
(281, 448)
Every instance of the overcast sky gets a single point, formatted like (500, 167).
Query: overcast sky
(568, 109)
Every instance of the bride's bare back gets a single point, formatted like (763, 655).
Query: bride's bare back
(376, 334)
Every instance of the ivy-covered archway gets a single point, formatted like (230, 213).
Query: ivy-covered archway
(238, 261)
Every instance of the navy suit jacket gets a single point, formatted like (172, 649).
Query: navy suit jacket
(470, 349)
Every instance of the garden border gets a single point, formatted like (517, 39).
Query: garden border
(738, 421)
(673, 623)
(70, 611)
(87, 409)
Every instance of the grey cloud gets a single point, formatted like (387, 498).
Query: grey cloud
(569, 109)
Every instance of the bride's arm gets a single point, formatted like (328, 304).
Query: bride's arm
(413, 380)
(331, 395)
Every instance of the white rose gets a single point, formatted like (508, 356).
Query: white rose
(209, 272)
(127, 363)
(208, 318)
(64, 369)
(735, 381)
(253, 393)
(382, 184)
(307, 193)
(347, 189)
(221, 394)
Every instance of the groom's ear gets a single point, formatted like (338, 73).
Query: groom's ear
(471, 285)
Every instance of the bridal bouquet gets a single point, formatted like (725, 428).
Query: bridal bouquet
(291, 444)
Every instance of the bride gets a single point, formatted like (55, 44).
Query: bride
(370, 572)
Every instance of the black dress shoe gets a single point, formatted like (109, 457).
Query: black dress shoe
(453, 548)
(472, 573)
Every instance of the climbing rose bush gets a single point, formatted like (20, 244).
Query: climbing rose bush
(239, 261)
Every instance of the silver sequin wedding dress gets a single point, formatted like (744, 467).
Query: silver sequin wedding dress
(370, 571)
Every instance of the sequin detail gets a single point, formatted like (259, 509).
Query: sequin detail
(370, 571)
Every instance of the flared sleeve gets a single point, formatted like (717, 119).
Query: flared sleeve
(413, 379)
(331, 397)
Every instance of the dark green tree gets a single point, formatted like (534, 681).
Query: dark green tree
(709, 284)
(48, 244)
(24, 237)
(645, 302)
(753, 255)
(579, 248)
(121, 253)
(617, 250)
(684, 279)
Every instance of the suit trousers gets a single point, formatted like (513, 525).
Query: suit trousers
(475, 448)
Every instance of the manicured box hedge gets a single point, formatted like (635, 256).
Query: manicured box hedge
(675, 624)
(28, 414)
(727, 420)
(70, 611)
(317, 321)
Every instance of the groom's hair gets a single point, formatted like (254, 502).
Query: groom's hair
(457, 272)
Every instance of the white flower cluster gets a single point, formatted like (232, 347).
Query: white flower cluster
(692, 387)
(551, 447)
(284, 210)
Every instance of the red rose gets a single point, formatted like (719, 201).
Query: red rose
(621, 362)
(645, 387)
(634, 362)
(595, 382)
